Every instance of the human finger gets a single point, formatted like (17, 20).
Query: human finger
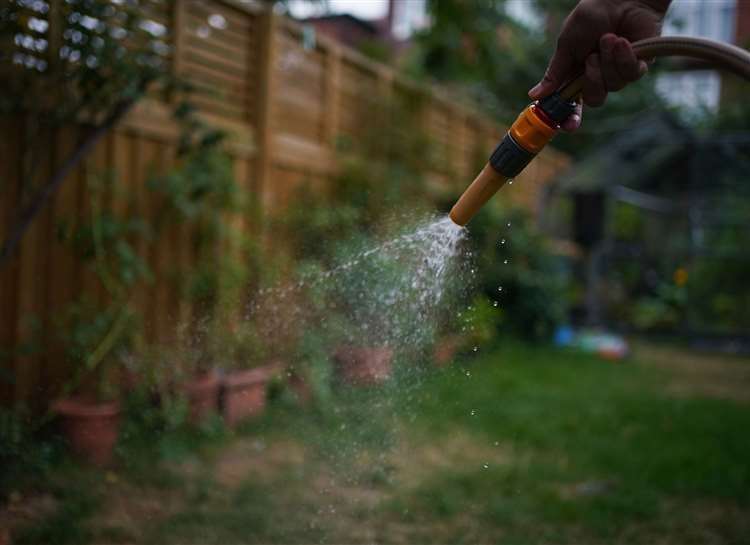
(573, 123)
(612, 77)
(559, 68)
(627, 65)
(594, 88)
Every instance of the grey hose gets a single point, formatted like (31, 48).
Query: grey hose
(721, 55)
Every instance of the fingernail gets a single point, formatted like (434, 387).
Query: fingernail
(534, 91)
(572, 123)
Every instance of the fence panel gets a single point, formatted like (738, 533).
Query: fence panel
(286, 103)
(216, 57)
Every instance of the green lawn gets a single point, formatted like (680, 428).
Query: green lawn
(519, 445)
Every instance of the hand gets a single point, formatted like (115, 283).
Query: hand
(595, 40)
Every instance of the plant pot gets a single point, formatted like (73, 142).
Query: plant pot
(446, 350)
(90, 428)
(363, 366)
(245, 394)
(298, 384)
(203, 396)
(130, 380)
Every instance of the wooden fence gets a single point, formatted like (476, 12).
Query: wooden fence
(285, 102)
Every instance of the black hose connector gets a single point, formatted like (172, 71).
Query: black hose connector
(557, 108)
(509, 159)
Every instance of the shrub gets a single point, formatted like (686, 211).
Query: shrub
(23, 455)
(517, 269)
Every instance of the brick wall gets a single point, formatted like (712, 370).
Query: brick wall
(742, 32)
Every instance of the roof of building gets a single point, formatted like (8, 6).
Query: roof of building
(366, 25)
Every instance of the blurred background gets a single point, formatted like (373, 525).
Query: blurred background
(228, 316)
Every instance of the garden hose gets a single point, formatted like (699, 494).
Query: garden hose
(540, 121)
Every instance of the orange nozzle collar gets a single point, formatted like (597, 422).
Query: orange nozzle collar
(532, 130)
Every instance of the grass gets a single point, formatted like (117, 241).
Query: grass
(522, 444)
(604, 449)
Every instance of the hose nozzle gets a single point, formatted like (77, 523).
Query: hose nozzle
(528, 135)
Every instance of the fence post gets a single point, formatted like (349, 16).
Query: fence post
(178, 35)
(384, 93)
(55, 35)
(385, 82)
(10, 172)
(332, 104)
(266, 80)
(184, 233)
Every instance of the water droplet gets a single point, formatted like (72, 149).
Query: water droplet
(476, 348)
(499, 288)
(505, 261)
(495, 304)
(468, 373)
(502, 241)
(508, 224)
(497, 443)
(486, 466)
(473, 412)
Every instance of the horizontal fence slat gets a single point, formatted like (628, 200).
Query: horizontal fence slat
(231, 63)
(235, 18)
(230, 39)
(191, 64)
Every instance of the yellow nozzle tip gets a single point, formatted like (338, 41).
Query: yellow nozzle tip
(484, 186)
(455, 217)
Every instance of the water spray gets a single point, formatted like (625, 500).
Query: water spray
(540, 121)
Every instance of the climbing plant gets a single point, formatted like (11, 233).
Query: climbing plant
(80, 61)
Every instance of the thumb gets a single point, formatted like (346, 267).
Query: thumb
(559, 68)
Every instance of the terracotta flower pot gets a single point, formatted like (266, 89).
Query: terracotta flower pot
(245, 394)
(130, 381)
(90, 428)
(298, 384)
(446, 349)
(203, 396)
(363, 366)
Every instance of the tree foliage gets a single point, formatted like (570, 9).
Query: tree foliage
(477, 45)
(78, 58)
